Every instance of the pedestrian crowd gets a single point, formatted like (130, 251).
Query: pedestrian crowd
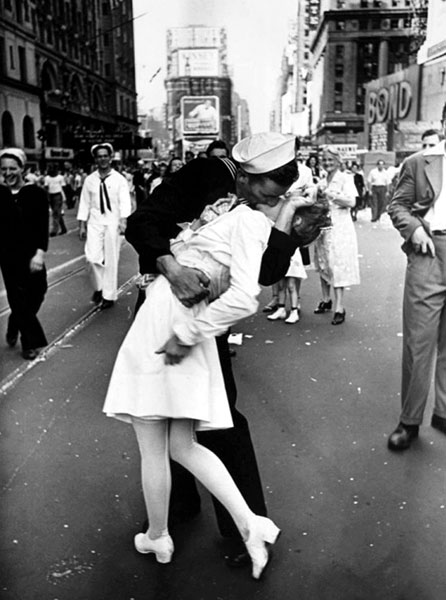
(209, 231)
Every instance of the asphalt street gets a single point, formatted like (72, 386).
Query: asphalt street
(358, 522)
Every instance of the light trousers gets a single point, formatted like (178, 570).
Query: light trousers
(102, 252)
(424, 333)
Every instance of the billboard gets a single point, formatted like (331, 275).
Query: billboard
(200, 115)
(200, 62)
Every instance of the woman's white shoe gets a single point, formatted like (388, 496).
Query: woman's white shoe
(262, 531)
(279, 314)
(162, 547)
(293, 317)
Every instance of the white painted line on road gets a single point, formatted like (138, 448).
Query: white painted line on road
(13, 378)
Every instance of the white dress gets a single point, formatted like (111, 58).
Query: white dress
(229, 251)
(336, 249)
(296, 268)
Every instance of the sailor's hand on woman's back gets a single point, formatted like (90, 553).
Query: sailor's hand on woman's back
(189, 285)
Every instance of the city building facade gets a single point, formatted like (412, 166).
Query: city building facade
(432, 58)
(199, 89)
(67, 77)
(357, 41)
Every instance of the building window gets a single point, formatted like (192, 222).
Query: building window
(377, 3)
(395, 3)
(107, 70)
(22, 64)
(394, 23)
(2, 56)
(29, 137)
(363, 24)
(338, 106)
(8, 129)
(364, 3)
(11, 58)
(8, 5)
(338, 88)
(339, 70)
(19, 11)
(339, 52)
(340, 25)
(105, 8)
(106, 39)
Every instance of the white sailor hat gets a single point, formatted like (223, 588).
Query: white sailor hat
(104, 145)
(16, 153)
(264, 152)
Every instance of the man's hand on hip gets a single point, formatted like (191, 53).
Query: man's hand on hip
(422, 242)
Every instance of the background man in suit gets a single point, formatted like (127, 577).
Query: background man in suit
(418, 211)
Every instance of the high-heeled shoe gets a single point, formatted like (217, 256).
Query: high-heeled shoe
(322, 307)
(271, 306)
(162, 547)
(262, 531)
(338, 318)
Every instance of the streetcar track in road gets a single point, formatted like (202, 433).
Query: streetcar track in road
(60, 341)
(58, 280)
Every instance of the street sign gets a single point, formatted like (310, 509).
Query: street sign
(123, 140)
(59, 153)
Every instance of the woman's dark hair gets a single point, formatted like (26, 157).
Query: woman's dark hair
(308, 161)
(284, 175)
(217, 144)
(312, 219)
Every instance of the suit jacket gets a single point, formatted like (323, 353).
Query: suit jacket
(418, 187)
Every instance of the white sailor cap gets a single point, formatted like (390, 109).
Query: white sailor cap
(16, 153)
(104, 145)
(264, 152)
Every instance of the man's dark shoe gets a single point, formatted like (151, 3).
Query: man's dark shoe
(11, 339)
(97, 297)
(439, 423)
(30, 353)
(402, 437)
(236, 560)
(106, 304)
(236, 554)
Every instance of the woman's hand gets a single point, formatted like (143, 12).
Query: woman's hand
(174, 351)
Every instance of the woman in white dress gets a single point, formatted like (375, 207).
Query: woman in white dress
(167, 380)
(336, 249)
